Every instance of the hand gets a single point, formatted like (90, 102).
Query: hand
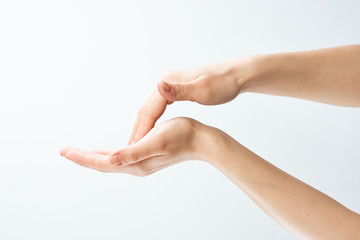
(209, 85)
(168, 143)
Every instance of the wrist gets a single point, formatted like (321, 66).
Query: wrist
(213, 145)
(248, 69)
(268, 72)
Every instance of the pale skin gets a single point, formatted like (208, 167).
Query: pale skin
(329, 75)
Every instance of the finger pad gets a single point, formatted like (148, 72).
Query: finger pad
(74, 156)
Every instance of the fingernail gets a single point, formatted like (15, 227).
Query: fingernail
(115, 159)
(167, 87)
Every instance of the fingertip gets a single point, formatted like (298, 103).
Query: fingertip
(64, 150)
(68, 155)
(164, 88)
(76, 156)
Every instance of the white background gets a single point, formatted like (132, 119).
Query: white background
(76, 73)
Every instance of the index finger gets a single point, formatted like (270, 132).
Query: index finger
(86, 158)
(149, 113)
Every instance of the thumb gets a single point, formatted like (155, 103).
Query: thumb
(147, 147)
(179, 91)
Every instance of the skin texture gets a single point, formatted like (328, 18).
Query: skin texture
(304, 211)
(330, 76)
(209, 85)
(168, 143)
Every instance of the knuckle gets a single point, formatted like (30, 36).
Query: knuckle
(179, 89)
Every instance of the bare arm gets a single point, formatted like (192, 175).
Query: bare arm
(304, 211)
(301, 209)
(329, 75)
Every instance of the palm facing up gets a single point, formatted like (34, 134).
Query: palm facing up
(170, 142)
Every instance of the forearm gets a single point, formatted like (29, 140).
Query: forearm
(328, 75)
(301, 209)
